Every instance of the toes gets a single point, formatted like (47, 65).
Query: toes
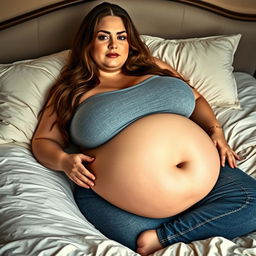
(141, 251)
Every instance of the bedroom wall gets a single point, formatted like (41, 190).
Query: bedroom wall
(243, 6)
(12, 8)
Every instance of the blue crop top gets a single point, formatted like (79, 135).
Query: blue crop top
(100, 117)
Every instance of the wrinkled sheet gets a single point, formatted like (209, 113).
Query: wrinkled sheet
(240, 124)
(38, 215)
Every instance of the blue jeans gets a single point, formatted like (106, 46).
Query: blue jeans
(229, 210)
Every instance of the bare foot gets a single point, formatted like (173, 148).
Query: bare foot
(148, 242)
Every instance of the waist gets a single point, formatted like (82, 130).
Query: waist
(159, 156)
(160, 135)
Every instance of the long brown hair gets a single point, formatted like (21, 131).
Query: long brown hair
(80, 74)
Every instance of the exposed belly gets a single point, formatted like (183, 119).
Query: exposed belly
(157, 167)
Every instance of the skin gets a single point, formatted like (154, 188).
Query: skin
(150, 154)
(110, 47)
(110, 51)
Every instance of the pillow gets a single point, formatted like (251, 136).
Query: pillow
(23, 89)
(205, 62)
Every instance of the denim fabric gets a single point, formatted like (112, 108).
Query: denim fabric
(229, 210)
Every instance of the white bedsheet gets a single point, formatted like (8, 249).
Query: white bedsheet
(38, 212)
(240, 124)
(38, 215)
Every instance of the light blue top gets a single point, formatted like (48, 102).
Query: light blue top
(100, 117)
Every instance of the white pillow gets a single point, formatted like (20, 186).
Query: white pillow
(205, 62)
(23, 89)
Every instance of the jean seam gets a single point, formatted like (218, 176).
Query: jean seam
(248, 198)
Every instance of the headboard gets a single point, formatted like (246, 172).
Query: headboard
(51, 29)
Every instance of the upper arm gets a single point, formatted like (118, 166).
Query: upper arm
(164, 65)
(46, 128)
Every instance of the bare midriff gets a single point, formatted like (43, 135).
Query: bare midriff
(156, 167)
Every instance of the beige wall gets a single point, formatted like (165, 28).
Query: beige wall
(244, 6)
(12, 8)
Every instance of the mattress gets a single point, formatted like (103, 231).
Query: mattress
(38, 214)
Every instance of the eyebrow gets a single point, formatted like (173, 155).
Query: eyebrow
(107, 32)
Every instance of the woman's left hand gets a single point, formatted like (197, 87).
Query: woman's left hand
(226, 153)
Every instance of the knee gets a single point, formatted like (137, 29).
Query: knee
(252, 199)
(244, 195)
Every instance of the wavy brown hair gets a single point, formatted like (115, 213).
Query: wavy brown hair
(80, 74)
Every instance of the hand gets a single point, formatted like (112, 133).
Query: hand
(76, 171)
(226, 153)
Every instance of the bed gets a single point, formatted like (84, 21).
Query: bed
(212, 47)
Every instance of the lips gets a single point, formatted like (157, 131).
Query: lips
(112, 55)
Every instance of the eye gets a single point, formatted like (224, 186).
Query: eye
(122, 38)
(102, 37)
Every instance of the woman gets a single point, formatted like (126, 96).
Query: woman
(146, 174)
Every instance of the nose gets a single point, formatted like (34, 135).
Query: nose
(112, 44)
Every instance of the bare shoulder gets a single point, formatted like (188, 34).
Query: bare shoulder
(163, 65)
(159, 62)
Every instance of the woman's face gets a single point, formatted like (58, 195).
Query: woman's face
(110, 47)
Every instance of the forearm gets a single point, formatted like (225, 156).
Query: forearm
(49, 153)
(204, 116)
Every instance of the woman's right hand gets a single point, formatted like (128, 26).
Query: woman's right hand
(73, 166)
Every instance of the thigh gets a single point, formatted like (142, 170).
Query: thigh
(229, 210)
(232, 184)
(232, 202)
(113, 222)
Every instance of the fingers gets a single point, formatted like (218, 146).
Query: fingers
(236, 156)
(231, 160)
(222, 159)
(84, 174)
(77, 172)
(86, 158)
(230, 156)
(82, 180)
(225, 152)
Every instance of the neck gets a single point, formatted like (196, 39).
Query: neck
(110, 74)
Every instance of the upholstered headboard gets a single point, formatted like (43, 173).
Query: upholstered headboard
(51, 29)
